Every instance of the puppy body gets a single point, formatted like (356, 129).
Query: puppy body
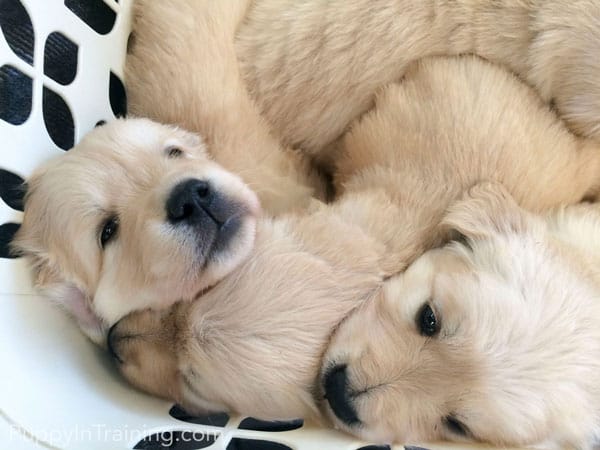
(310, 68)
(413, 389)
(435, 133)
(305, 273)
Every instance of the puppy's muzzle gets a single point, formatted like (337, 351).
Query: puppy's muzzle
(112, 343)
(208, 214)
(190, 202)
(339, 395)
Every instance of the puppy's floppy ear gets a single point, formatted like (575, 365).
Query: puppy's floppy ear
(486, 209)
(47, 278)
(71, 298)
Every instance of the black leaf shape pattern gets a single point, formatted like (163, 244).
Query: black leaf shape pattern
(12, 189)
(60, 58)
(377, 447)
(177, 440)
(17, 29)
(215, 420)
(95, 13)
(255, 444)
(58, 119)
(15, 95)
(250, 423)
(7, 233)
(117, 96)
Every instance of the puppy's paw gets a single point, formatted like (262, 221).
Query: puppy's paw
(144, 346)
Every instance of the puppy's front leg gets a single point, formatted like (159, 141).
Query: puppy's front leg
(146, 344)
(164, 352)
(183, 54)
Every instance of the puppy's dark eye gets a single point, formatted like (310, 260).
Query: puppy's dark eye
(174, 152)
(427, 322)
(109, 230)
(456, 426)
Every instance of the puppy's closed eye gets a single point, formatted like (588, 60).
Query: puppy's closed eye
(174, 152)
(109, 230)
(463, 240)
(456, 426)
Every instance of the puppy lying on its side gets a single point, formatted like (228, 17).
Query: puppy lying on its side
(254, 342)
(493, 338)
(251, 75)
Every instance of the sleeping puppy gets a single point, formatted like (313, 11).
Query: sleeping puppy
(254, 343)
(493, 338)
(258, 78)
(135, 216)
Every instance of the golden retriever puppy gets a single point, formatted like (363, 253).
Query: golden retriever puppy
(256, 78)
(251, 343)
(493, 338)
(135, 216)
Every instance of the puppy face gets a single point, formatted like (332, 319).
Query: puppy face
(473, 342)
(134, 216)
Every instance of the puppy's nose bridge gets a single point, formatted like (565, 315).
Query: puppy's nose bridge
(188, 200)
(338, 395)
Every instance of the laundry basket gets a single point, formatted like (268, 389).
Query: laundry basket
(61, 66)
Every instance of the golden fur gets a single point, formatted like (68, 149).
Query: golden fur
(254, 342)
(259, 78)
(517, 352)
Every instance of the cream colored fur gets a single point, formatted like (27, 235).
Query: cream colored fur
(517, 354)
(254, 343)
(259, 78)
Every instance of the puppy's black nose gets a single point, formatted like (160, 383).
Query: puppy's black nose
(339, 396)
(188, 201)
(111, 343)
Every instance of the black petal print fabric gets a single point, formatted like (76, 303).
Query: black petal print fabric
(16, 89)
(17, 29)
(377, 447)
(12, 189)
(58, 119)
(255, 444)
(215, 420)
(60, 58)
(7, 232)
(250, 423)
(117, 96)
(176, 440)
(95, 13)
